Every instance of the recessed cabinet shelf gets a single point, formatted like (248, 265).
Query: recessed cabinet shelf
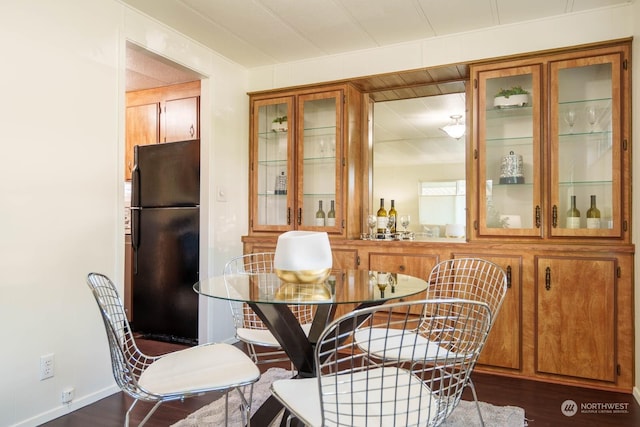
(568, 136)
(307, 158)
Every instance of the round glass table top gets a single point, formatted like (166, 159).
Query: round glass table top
(341, 287)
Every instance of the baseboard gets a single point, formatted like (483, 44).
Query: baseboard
(61, 410)
(636, 394)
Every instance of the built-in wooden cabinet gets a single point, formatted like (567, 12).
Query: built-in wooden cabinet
(568, 138)
(302, 152)
(576, 317)
(568, 313)
(158, 115)
(503, 347)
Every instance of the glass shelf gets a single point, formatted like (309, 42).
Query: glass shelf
(606, 133)
(274, 162)
(320, 160)
(319, 195)
(518, 140)
(494, 113)
(584, 183)
(320, 131)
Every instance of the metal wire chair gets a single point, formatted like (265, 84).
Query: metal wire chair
(357, 388)
(465, 278)
(249, 328)
(174, 376)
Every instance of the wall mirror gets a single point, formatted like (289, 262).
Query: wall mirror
(418, 165)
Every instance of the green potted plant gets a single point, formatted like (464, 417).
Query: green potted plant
(280, 124)
(515, 96)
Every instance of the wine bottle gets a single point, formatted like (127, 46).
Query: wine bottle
(394, 214)
(573, 215)
(331, 215)
(320, 215)
(382, 218)
(593, 214)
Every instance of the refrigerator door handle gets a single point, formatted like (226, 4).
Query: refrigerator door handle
(135, 181)
(135, 236)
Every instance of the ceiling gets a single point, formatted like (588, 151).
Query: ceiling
(257, 33)
(254, 33)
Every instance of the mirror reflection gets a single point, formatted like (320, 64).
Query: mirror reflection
(419, 166)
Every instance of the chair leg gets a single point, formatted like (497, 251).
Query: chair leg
(475, 398)
(226, 408)
(156, 406)
(126, 417)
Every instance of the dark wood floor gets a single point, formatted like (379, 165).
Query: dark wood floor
(541, 402)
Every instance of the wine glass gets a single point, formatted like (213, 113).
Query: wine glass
(570, 118)
(405, 220)
(390, 222)
(372, 221)
(592, 117)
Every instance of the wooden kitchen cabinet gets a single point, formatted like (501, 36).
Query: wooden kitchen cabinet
(502, 349)
(575, 142)
(142, 128)
(158, 115)
(305, 161)
(576, 317)
(569, 140)
(568, 315)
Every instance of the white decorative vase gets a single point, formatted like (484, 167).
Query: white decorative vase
(512, 101)
(303, 262)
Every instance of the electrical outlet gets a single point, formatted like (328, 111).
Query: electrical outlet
(46, 366)
(67, 395)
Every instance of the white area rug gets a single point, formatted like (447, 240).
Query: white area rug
(465, 414)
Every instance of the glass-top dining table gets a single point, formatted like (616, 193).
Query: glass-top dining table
(270, 298)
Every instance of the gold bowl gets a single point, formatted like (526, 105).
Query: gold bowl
(303, 277)
(303, 292)
(303, 285)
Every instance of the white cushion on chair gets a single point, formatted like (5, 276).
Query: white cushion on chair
(264, 336)
(203, 367)
(302, 397)
(390, 344)
(397, 344)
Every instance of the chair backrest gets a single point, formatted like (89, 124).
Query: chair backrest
(255, 263)
(469, 278)
(127, 361)
(358, 387)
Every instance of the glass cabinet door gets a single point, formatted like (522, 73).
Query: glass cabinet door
(272, 186)
(585, 135)
(509, 152)
(319, 154)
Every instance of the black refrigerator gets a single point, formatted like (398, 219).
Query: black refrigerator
(165, 235)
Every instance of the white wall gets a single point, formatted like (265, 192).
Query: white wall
(62, 133)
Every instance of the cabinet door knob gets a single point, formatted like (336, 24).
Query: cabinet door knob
(554, 216)
(192, 131)
(538, 216)
(401, 268)
(508, 271)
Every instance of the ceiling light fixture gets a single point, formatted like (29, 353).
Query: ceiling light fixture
(455, 129)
